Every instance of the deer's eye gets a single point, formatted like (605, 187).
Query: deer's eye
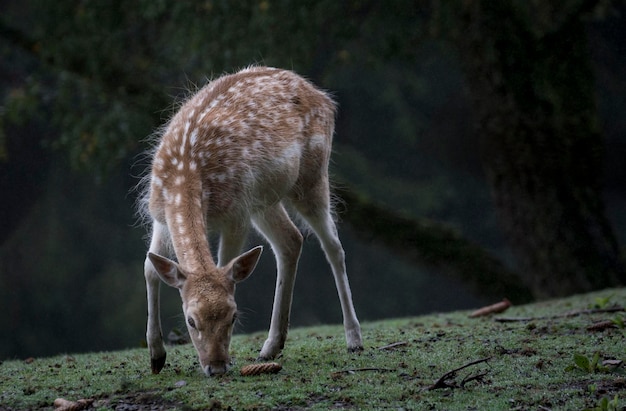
(191, 322)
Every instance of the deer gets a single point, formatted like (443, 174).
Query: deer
(250, 149)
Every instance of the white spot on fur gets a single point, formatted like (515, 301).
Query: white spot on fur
(318, 141)
(184, 139)
(194, 137)
(292, 151)
(179, 219)
(214, 103)
(157, 181)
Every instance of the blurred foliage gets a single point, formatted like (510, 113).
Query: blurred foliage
(111, 71)
(68, 271)
(109, 67)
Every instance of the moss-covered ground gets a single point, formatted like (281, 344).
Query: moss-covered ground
(552, 357)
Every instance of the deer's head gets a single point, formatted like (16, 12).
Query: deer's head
(209, 304)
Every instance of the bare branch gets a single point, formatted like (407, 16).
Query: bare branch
(441, 382)
(394, 345)
(568, 314)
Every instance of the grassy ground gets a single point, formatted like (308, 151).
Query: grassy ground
(545, 362)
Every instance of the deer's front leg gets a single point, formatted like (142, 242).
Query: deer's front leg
(154, 335)
(279, 325)
(286, 242)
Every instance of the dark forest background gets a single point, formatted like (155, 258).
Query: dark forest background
(479, 153)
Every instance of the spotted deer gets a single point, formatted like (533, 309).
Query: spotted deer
(234, 156)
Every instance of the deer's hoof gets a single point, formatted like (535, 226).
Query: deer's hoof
(157, 364)
(271, 350)
(264, 358)
(357, 349)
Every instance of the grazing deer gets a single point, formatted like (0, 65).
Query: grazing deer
(233, 156)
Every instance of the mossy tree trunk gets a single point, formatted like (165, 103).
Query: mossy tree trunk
(530, 77)
(425, 242)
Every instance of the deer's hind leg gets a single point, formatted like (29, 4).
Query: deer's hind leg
(286, 241)
(314, 207)
(154, 334)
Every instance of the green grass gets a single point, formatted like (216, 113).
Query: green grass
(533, 365)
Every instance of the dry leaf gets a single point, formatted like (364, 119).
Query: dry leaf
(612, 363)
(61, 404)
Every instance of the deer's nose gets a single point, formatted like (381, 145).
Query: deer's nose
(216, 368)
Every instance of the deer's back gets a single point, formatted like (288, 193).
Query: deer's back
(243, 142)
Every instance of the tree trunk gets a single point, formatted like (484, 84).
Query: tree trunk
(529, 73)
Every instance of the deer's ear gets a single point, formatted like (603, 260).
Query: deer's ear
(241, 267)
(169, 272)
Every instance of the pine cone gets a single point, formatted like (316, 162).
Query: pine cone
(262, 368)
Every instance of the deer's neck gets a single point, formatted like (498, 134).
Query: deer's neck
(188, 229)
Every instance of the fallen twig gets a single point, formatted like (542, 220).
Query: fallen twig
(394, 345)
(475, 377)
(612, 309)
(567, 314)
(441, 382)
(491, 309)
(601, 326)
(517, 319)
